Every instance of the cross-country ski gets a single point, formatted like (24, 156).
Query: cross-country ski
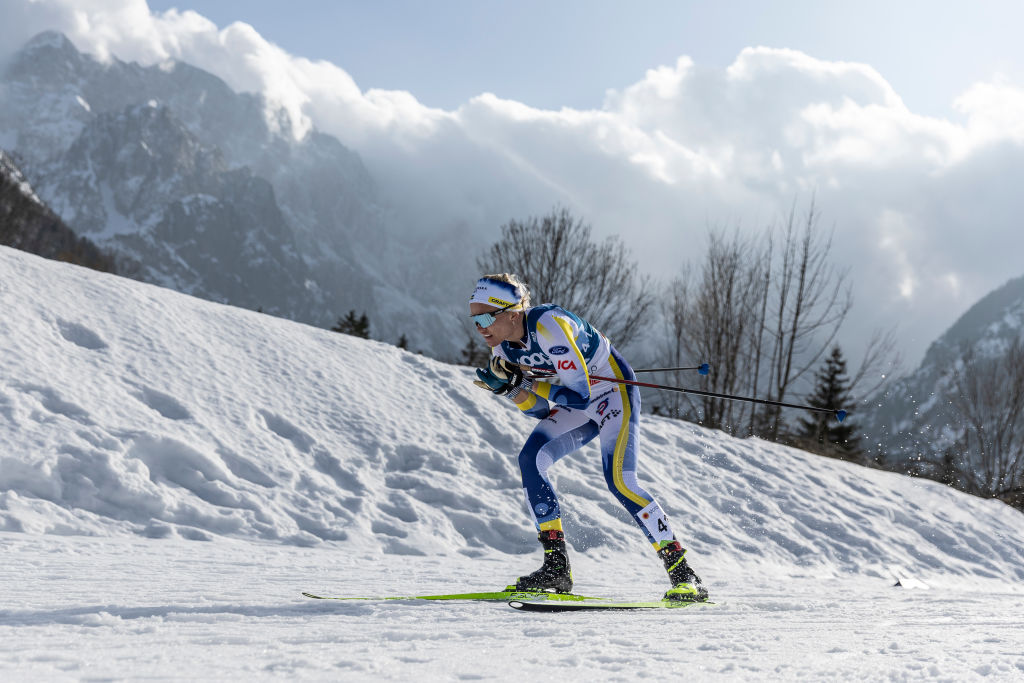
(492, 596)
(528, 605)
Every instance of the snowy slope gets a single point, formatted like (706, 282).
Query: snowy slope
(135, 420)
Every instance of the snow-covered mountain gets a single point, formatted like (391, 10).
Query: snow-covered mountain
(135, 420)
(911, 418)
(208, 190)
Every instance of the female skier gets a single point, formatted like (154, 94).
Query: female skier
(571, 412)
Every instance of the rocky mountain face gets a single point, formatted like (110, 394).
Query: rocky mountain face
(913, 419)
(200, 186)
(26, 223)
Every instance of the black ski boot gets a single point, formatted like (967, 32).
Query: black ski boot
(554, 576)
(686, 585)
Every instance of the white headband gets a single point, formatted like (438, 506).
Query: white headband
(496, 293)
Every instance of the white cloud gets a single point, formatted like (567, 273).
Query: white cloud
(995, 111)
(925, 209)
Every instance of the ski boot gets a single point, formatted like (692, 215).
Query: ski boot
(554, 576)
(686, 585)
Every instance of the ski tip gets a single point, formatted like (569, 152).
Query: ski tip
(704, 369)
(840, 415)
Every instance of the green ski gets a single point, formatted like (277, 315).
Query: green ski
(579, 606)
(508, 594)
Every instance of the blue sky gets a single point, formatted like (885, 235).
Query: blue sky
(553, 54)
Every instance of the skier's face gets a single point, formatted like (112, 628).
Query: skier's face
(505, 326)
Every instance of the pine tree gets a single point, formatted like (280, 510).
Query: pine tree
(355, 326)
(403, 342)
(822, 433)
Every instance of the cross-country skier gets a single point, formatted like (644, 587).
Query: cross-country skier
(572, 409)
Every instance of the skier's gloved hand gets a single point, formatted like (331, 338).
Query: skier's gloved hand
(500, 377)
(507, 370)
(486, 379)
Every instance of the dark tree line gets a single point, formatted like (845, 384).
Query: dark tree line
(27, 225)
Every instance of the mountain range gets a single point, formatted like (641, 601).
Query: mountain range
(912, 419)
(208, 191)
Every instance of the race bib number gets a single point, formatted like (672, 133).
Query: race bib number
(654, 520)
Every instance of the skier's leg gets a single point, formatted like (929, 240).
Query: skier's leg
(560, 433)
(617, 412)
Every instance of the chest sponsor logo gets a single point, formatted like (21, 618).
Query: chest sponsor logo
(566, 365)
(559, 350)
(534, 360)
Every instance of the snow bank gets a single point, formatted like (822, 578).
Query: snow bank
(131, 409)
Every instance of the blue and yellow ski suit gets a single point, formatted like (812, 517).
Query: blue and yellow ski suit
(573, 409)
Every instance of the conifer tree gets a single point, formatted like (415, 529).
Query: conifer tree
(821, 432)
(355, 326)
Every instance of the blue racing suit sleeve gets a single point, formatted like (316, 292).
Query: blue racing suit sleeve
(534, 406)
(556, 335)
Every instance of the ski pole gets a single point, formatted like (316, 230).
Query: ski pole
(703, 369)
(839, 414)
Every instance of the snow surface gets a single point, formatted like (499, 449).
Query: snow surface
(174, 472)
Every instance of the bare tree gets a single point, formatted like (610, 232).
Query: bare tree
(763, 311)
(720, 325)
(557, 257)
(880, 361)
(757, 337)
(988, 396)
(810, 301)
(716, 316)
(676, 312)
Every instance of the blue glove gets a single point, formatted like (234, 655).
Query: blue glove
(499, 376)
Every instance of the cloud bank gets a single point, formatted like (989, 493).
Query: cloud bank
(925, 209)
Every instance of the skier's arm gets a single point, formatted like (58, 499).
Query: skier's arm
(557, 338)
(531, 404)
(506, 379)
